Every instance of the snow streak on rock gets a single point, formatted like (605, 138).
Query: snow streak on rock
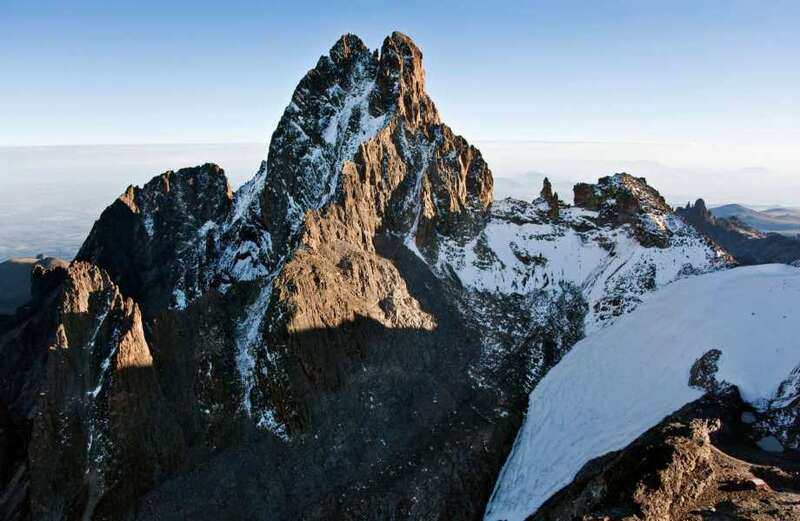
(246, 243)
(321, 129)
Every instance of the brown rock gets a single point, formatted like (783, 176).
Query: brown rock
(100, 431)
(679, 469)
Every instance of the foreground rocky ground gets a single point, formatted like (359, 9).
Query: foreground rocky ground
(697, 464)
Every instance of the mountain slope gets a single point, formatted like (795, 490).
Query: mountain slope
(624, 379)
(776, 220)
(747, 244)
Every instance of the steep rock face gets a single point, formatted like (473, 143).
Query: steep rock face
(100, 424)
(23, 346)
(748, 245)
(85, 399)
(353, 112)
(353, 334)
(147, 239)
(345, 315)
(359, 153)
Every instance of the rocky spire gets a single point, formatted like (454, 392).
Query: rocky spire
(401, 82)
(547, 190)
(550, 198)
(700, 207)
(697, 214)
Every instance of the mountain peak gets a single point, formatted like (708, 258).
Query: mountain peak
(346, 46)
(401, 81)
(624, 199)
(700, 206)
(146, 238)
(363, 287)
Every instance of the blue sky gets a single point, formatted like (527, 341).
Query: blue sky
(93, 72)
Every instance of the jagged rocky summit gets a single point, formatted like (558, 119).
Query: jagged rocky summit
(354, 333)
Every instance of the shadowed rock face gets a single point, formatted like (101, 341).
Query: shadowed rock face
(102, 432)
(18, 281)
(746, 244)
(86, 393)
(316, 346)
(147, 238)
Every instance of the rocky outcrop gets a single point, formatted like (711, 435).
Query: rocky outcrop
(147, 240)
(550, 199)
(696, 464)
(703, 374)
(623, 199)
(18, 277)
(748, 245)
(100, 424)
(777, 423)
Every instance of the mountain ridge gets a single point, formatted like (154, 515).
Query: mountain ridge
(747, 244)
(771, 220)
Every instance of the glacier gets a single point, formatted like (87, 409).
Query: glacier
(625, 378)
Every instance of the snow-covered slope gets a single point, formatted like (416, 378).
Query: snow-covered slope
(547, 270)
(620, 381)
(521, 251)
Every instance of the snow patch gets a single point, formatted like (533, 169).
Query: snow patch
(520, 252)
(149, 225)
(414, 202)
(249, 338)
(179, 296)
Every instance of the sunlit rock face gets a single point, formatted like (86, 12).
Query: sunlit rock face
(352, 334)
(98, 406)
